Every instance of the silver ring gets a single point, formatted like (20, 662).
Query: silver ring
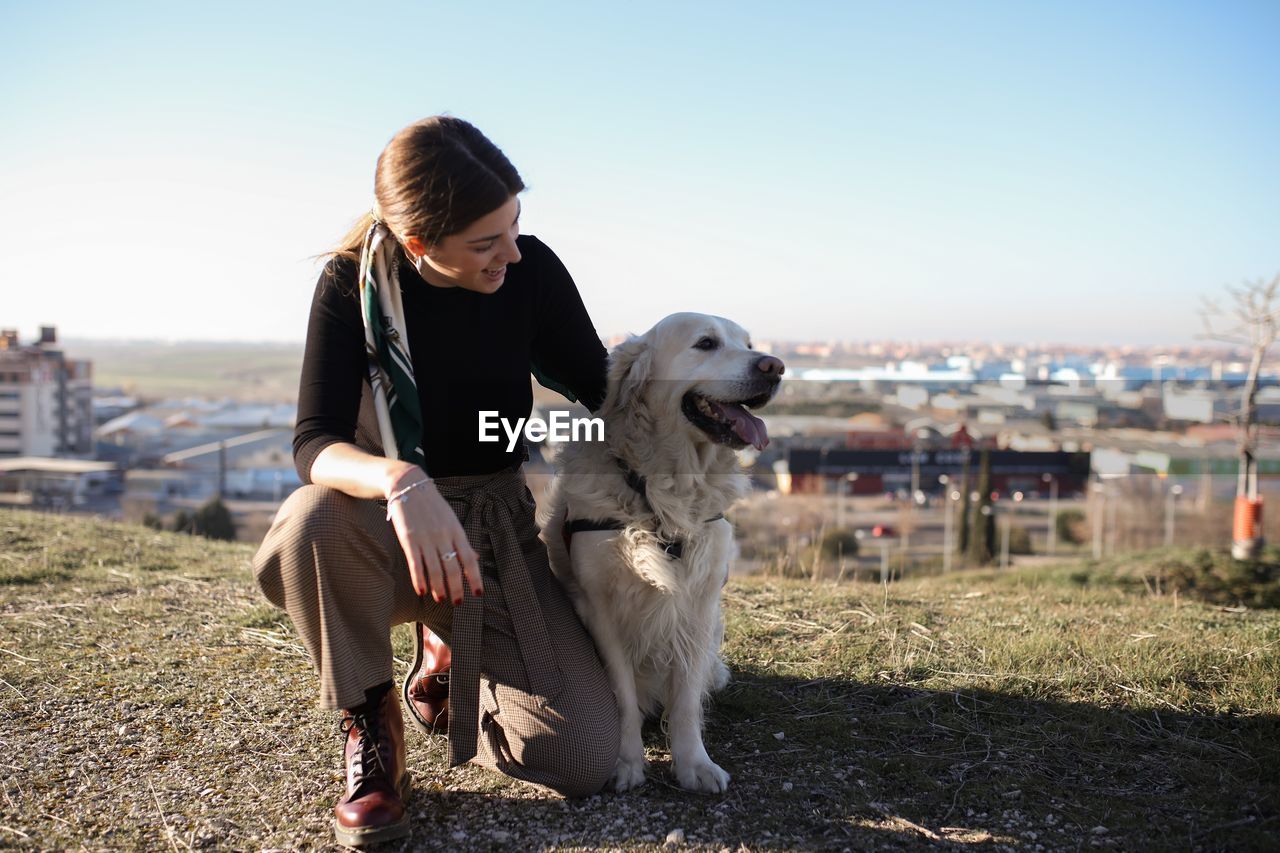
(448, 555)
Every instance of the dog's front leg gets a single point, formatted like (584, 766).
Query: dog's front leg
(631, 763)
(690, 762)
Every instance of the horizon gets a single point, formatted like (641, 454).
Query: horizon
(1208, 345)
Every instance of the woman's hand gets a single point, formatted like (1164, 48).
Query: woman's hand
(428, 529)
(425, 524)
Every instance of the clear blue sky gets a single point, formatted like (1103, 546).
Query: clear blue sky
(1078, 172)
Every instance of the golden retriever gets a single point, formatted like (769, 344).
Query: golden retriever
(636, 530)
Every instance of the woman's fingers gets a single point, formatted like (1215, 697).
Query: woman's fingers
(453, 575)
(439, 592)
(418, 574)
(470, 567)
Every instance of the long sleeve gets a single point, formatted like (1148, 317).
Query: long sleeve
(333, 367)
(567, 354)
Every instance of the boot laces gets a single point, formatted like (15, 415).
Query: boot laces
(368, 757)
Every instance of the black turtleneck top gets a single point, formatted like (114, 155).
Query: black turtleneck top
(471, 352)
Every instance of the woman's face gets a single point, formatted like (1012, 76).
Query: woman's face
(475, 258)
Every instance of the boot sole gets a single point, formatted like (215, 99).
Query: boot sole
(418, 723)
(354, 837)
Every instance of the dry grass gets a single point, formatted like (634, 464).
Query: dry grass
(151, 700)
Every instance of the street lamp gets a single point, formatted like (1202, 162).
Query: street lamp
(1006, 522)
(850, 479)
(948, 520)
(918, 437)
(1097, 508)
(1053, 511)
(1169, 510)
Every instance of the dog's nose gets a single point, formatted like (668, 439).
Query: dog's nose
(770, 365)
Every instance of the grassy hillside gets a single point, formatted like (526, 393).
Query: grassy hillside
(151, 700)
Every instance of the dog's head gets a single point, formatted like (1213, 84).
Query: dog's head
(701, 366)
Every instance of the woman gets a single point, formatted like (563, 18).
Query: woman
(432, 310)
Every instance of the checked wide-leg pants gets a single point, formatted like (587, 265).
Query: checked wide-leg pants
(528, 694)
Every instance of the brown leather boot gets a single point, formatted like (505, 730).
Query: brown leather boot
(378, 785)
(426, 687)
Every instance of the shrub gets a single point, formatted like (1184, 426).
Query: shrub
(1019, 540)
(1207, 575)
(213, 521)
(839, 543)
(1069, 525)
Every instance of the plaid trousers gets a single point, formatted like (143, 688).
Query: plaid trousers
(528, 694)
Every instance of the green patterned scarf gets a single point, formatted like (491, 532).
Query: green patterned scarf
(395, 393)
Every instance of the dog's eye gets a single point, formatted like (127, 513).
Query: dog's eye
(707, 343)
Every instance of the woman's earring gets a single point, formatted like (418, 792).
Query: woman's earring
(420, 264)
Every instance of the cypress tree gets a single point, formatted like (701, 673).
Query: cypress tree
(982, 532)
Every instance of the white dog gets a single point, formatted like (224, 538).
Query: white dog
(636, 528)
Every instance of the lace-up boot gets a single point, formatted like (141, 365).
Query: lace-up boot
(426, 688)
(378, 784)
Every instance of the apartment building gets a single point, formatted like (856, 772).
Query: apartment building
(46, 399)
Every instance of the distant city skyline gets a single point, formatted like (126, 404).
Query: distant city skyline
(1081, 173)
(887, 348)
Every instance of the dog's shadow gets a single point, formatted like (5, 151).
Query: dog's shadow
(830, 762)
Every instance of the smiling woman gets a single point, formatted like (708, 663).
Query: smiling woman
(473, 259)
(434, 310)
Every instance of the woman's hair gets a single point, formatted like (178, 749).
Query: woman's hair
(434, 178)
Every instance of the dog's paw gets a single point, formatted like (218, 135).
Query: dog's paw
(701, 775)
(719, 674)
(629, 774)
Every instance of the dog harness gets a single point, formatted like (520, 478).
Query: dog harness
(673, 548)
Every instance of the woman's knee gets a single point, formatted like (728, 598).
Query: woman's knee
(596, 768)
(310, 516)
(586, 751)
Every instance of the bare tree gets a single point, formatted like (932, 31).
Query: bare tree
(1255, 313)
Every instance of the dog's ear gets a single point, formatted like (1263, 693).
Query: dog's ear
(630, 364)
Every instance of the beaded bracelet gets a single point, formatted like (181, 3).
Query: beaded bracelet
(399, 495)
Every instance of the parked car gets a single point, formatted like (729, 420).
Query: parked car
(880, 531)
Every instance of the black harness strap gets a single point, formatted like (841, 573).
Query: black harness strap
(673, 549)
(580, 524)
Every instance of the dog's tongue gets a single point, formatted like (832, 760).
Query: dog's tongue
(745, 425)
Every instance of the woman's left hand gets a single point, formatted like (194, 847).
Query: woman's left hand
(434, 543)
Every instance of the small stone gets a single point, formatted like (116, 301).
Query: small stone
(1014, 794)
(123, 731)
(500, 835)
(459, 836)
(675, 836)
(1099, 830)
(780, 735)
(787, 786)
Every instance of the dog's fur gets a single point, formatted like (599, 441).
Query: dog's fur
(656, 620)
